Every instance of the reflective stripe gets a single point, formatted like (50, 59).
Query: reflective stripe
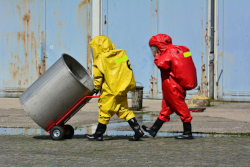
(121, 59)
(187, 54)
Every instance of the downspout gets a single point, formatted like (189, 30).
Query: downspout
(96, 18)
(211, 56)
(216, 39)
(96, 21)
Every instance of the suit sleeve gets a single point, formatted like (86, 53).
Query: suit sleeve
(162, 61)
(98, 78)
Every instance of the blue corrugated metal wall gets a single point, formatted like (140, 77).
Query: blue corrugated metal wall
(68, 30)
(186, 22)
(233, 55)
(130, 24)
(35, 33)
(22, 35)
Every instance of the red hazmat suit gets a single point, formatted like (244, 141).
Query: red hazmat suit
(178, 74)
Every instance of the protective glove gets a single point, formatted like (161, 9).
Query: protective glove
(95, 91)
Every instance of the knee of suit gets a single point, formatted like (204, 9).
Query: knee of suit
(104, 116)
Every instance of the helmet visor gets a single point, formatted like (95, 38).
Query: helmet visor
(153, 49)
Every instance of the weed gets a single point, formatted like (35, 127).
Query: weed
(141, 112)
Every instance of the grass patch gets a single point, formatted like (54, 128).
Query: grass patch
(235, 101)
(238, 134)
(154, 114)
(213, 100)
(141, 112)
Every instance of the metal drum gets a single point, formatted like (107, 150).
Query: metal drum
(57, 91)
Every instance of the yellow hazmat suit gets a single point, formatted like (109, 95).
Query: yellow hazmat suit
(113, 75)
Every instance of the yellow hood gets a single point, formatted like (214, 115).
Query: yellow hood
(101, 44)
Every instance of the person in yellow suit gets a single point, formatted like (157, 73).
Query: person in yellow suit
(113, 77)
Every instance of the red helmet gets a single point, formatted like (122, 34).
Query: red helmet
(161, 41)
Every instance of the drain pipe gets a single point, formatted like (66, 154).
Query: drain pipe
(211, 56)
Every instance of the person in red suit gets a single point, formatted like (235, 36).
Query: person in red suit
(178, 74)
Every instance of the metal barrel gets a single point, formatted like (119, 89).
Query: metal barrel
(56, 91)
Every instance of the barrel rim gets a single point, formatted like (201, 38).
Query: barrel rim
(65, 54)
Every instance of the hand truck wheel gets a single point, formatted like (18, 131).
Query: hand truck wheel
(57, 132)
(69, 132)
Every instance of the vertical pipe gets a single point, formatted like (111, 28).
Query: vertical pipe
(216, 39)
(153, 80)
(100, 15)
(157, 81)
(211, 56)
(96, 18)
(96, 21)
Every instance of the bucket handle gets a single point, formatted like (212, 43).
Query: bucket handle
(138, 82)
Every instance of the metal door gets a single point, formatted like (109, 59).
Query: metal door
(22, 37)
(130, 24)
(68, 30)
(233, 58)
(187, 23)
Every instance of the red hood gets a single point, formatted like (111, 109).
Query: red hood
(162, 41)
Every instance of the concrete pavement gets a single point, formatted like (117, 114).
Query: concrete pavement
(115, 150)
(221, 117)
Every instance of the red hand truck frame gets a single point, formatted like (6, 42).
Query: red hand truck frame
(58, 130)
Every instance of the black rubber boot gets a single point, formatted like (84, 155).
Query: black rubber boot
(155, 128)
(187, 134)
(136, 127)
(100, 130)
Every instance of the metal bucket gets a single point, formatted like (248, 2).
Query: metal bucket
(137, 97)
(56, 91)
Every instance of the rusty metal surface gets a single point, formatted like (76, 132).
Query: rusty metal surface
(68, 30)
(153, 87)
(33, 35)
(22, 43)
